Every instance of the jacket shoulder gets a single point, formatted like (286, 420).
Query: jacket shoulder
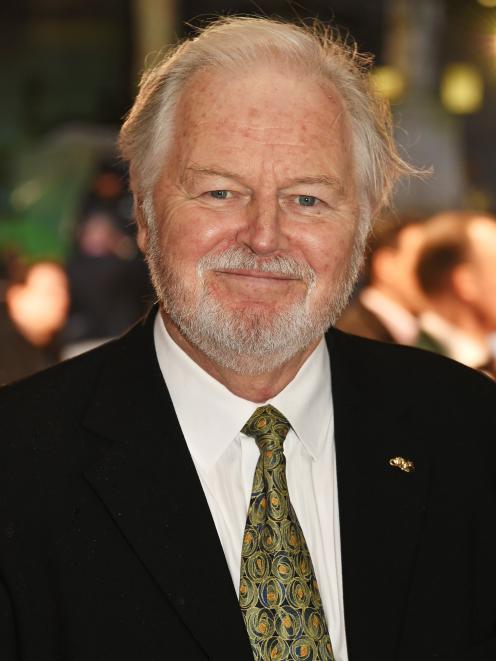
(72, 378)
(409, 369)
(55, 384)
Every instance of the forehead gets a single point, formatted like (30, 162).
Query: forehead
(265, 110)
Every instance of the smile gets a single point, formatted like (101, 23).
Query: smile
(262, 275)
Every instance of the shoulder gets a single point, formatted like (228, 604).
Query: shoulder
(46, 437)
(57, 396)
(398, 371)
(53, 387)
(404, 392)
(39, 419)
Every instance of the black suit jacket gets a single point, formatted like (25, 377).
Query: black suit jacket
(108, 549)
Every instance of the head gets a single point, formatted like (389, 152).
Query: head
(392, 260)
(101, 237)
(258, 155)
(457, 265)
(38, 306)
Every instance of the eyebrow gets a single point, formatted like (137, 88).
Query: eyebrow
(324, 180)
(214, 171)
(320, 179)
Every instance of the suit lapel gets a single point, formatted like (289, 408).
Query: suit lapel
(149, 485)
(381, 507)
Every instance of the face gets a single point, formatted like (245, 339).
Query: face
(402, 276)
(39, 307)
(482, 233)
(256, 216)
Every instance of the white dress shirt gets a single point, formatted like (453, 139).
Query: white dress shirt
(211, 417)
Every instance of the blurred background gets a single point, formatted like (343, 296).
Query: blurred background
(70, 272)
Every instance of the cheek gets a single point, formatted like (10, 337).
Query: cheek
(487, 298)
(327, 253)
(188, 234)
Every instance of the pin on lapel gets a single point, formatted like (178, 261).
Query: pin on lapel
(403, 464)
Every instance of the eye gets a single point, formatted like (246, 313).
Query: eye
(220, 194)
(306, 200)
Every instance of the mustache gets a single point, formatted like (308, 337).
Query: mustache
(240, 258)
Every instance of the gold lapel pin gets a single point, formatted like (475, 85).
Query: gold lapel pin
(403, 464)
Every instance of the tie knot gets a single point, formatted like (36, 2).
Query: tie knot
(268, 427)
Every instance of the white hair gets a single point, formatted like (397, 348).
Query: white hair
(239, 43)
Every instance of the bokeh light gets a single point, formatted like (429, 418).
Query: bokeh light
(389, 82)
(462, 88)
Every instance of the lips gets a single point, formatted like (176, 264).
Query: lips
(265, 275)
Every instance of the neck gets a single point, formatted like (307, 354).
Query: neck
(256, 388)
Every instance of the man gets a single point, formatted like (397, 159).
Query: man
(457, 273)
(388, 306)
(147, 511)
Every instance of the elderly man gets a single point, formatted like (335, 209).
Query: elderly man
(224, 483)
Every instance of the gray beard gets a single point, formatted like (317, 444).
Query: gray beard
(254, 341)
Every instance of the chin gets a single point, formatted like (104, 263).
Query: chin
(258, 313)
(249, 339)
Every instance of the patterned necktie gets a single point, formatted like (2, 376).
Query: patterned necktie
(278, 593)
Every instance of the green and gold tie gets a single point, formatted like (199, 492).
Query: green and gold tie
(278, 593)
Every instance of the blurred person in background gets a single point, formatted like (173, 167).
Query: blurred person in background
(33, 311)
(457, 273)
(387, 308)
(109, 285)
(109, 193)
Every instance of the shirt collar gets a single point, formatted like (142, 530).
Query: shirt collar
(401, 323)
(211, 416)
(307, 401)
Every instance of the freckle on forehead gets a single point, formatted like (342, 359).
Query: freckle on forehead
(225, 114)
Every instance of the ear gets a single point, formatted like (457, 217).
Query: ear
(464, 282)
(139, 216)
(382, 263)
(142, 225)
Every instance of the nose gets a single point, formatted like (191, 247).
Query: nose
(261, 231)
